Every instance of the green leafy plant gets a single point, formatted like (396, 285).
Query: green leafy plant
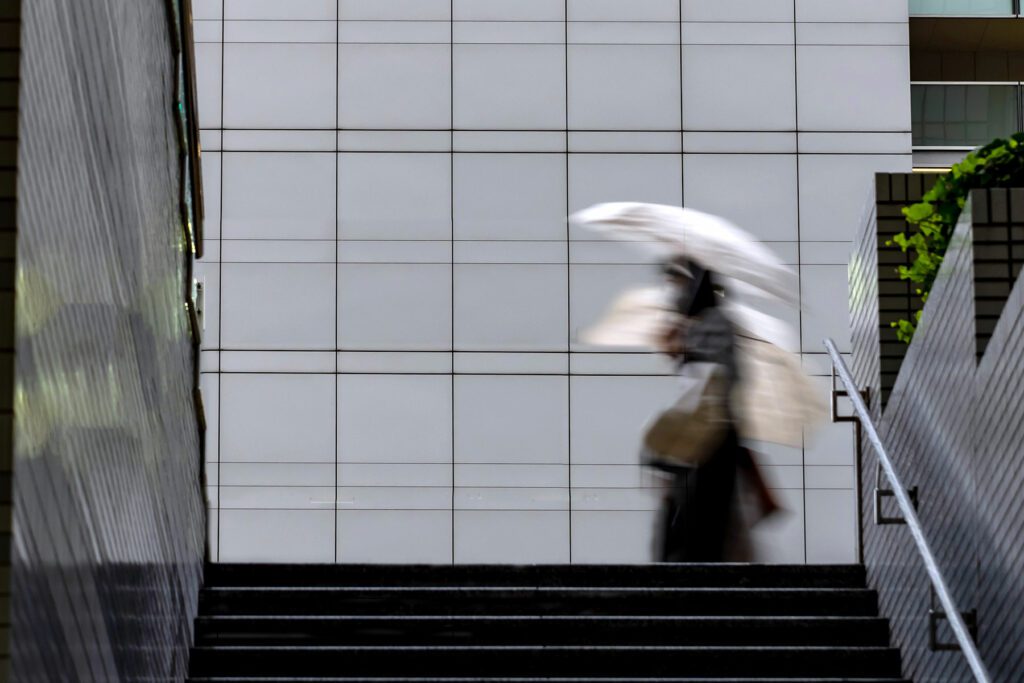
(998, 164)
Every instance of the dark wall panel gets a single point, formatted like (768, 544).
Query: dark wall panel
(9, 39)
(108, 517)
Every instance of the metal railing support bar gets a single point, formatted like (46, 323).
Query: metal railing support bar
(956, 621)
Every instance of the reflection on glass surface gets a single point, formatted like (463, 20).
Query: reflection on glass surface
(964, 8)
(962, 115)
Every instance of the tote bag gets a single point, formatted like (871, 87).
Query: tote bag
(689, 431)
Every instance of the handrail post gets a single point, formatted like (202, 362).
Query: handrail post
(858, 456)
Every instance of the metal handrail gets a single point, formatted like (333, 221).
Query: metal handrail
(953, 614)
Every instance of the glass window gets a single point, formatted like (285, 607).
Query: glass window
(965, 115)
(966, 8)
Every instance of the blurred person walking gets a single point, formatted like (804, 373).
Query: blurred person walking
(738, 381)
(698, 510)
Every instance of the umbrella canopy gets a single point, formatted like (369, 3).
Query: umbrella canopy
(774, 399)
(714, 242)
(638, 318)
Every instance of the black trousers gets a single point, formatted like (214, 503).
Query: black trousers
(697, 513)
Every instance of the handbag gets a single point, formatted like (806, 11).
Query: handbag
(689, 431)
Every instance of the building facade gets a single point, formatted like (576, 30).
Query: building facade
(104, 504)
(392, 295)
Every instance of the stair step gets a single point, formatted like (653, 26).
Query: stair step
(546, 679)
(707, 575)
(556, 630)
(717, 623)
(512, 661)
(353, 600)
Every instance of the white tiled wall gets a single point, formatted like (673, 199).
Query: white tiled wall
(390, 362)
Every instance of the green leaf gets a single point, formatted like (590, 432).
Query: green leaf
(918, 212)
(1000, 163)
(904, 330)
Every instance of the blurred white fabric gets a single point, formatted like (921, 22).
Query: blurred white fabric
(637, 318)
(775, 399)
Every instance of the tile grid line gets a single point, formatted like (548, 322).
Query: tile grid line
(451, 187)
(438, 20)
(470, 463)
(574, 129)
(337, 199)
(799, 278)
(220, 285)
(384, 129)
(559, 152)
(568, 276)
(579, 44)
(682, 122)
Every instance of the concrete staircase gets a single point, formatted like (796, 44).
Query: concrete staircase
(334, 623)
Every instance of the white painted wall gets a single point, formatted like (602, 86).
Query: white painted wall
(392, 292)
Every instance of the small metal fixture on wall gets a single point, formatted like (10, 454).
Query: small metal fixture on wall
(883, 493)
(937, 615)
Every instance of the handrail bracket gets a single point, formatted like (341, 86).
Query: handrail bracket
(937, 614)
(881, 518)
(843, 393)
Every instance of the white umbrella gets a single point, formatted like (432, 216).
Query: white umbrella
(713, 242)
(637, 318)
(775, 400)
